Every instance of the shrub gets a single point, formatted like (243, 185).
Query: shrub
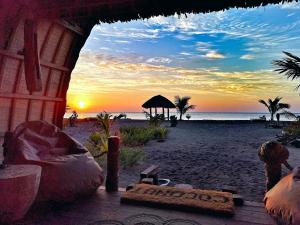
(130, 157)
(104, 122)
(156, 120)
(136, 136)
(293, 130)
(97, 144)
(160, 133)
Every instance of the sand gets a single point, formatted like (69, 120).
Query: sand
(205, 154)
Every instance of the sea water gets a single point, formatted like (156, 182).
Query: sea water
(194, 115)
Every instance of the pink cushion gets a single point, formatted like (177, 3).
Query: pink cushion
(68, 169)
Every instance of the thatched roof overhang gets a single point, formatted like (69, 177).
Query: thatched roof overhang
(126, 10)
(158, 101)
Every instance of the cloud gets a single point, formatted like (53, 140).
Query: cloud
(291, 5)
(214, 55)
(247, 57)
(203, 46)
(96, 73)
(159, 60)
(122, 41)
(121, 31)
(186, 53)
(183, 37)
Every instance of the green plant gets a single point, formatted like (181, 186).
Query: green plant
(136, 136)
(156, 120)
(130, 157)
(97, 144)
(160, 133)
(98, 141)
(105, 122)
(182, 105)
(274, 106)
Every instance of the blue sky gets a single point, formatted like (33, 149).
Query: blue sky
(224, 55)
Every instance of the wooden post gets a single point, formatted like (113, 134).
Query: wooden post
(150, 112)
(155, 111)
(112, 178)
(168, 114)
(163, 112)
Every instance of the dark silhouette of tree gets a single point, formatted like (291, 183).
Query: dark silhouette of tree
(274, 106)
(289, 66)
(182, 105)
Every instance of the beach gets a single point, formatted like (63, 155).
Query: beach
(205, 154)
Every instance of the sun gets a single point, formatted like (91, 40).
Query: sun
(81, 104)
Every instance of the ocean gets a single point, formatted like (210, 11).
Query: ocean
(194, 115)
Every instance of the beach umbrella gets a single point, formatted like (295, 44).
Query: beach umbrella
(158, 101)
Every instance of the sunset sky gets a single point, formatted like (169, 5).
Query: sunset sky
(222, 60)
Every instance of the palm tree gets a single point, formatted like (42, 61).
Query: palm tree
(182, 105)
(274, 106)
(289, 66)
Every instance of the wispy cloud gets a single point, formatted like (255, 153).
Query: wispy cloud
(247, 57)
(159, 60)
(214, 55)
(102, 74)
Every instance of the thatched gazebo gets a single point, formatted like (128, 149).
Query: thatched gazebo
(159, 101)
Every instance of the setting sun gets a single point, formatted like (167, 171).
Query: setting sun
(81, 105)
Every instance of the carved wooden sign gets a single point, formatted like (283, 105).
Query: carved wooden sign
(182, 199)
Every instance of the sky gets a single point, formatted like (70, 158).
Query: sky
(221, 60)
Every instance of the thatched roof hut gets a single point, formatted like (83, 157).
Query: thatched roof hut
(40, 41)
(159, 101)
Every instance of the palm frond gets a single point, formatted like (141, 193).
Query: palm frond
(283, 106)
(289, 115)
(263, 102)
(277, 100)
(289, 66)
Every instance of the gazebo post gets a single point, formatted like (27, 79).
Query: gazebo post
(150, 112)
(155, 111)
(163, 111)
(168, 114)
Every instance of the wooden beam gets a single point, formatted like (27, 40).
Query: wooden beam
(43, 63)
(11, 113)
(18, 77)
(34, 97)
(29, 105)
(67, 25)
(46, 40)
